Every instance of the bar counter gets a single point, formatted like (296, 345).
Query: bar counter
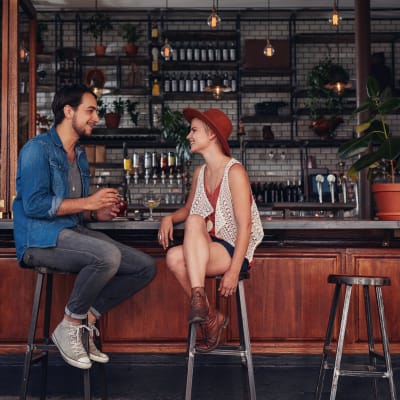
(288, 297)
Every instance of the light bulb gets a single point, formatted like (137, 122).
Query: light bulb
(268, 49)
(166, 50)
(335, 18)
(213, 20)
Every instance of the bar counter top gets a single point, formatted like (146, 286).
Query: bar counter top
(274, 224)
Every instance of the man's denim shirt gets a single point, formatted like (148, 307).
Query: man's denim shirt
(42, 184)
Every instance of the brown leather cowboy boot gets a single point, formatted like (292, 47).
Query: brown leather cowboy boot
(199, 305)
(211, 331)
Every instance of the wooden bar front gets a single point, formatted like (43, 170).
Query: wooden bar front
(288, 297)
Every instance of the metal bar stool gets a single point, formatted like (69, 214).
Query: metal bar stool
(243, 350)
(37, 350)
(371, 370)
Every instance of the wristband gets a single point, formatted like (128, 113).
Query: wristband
(93, 215)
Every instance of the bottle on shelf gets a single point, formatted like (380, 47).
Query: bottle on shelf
(174, 83)
(217, 52)
(189, 52)
(167, 83)
(203, 53)
(181, 83)
(202, 83)
(233, 84)
(196, 52)
(195, 83)
(154, 31)
(188, 83)
(225, 52)
(182, 53)
(232, 52)
(155, 90)
(210, 53)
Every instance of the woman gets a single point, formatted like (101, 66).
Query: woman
(222, 224)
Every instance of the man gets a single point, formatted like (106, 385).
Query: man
(50, 208)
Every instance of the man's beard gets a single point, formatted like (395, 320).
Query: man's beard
(80, 131)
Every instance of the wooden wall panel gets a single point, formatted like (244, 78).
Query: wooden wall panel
(288, 297)
(378, 263)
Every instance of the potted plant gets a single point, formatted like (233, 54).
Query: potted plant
(325, 105)
(40, 29)
(377, 149)
(113, 118)
(130, 107)
(131, 33)
(98, 24)
(175, 129)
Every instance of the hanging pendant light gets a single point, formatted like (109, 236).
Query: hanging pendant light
(335, 18)
(166, 49)
(268, 49)
(339, 79)
(214, 19)
(217, 88)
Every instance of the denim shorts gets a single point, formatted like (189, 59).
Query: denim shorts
(231, 249)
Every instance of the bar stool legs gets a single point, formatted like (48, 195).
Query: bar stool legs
(371, 370)
(243, 350)
(37, 351)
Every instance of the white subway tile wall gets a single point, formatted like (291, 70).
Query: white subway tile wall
(272, 163)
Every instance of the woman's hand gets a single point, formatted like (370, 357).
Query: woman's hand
(229, 283)
(166, 231)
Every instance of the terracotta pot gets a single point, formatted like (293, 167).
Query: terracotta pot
(100, 50)
(131, 50)
(112, 120)
(387, 201)
(324, 127)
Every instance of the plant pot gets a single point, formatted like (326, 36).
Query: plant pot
(387, 201)
(112, 120)
(100, 50)
(325, 127)
(131, 50)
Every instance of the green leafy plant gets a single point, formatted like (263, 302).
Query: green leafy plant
(377, 148)
(131, 33)
(131, 109)
(118, 106)
(98, 24)
(174, 128)
(101, 108)
(325, 106)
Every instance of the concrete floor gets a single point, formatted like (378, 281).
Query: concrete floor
(162, 377)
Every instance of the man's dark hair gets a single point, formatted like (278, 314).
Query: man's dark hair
(68, 95)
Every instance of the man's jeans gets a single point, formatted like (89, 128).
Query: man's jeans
(108, 271)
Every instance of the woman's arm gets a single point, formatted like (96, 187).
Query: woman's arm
(166, 230)
(241, 198)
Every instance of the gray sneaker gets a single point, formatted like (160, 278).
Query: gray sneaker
(94, 353)
(68, 338)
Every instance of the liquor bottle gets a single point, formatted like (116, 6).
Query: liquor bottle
(174, 83)
(300, 191)
(209, 80)
(154, 31)
(259, 194)
(175, 53)
(233, 83)
(182, 53)
(281, 192)
(288, 192)
(188, 83)
(195, 83)
(225, 52)
(203, 53)
(232, 52)
(127, 160)
(210, 53)
(202, 83)
(217, 52)
(155, 91)
(266, 193)
(181, 83)
(225, 80)
(189, 52)
(196, 52)
(167, 83)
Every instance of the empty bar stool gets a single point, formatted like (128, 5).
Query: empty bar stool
(372, 370)
(37, 350)
(243, 350)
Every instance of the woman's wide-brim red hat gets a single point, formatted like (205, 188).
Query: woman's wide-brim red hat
(217, 120)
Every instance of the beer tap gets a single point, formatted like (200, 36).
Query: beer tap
(154, 166)
(147, 167)
(331, 181)
(136, 167)
(319, 179)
